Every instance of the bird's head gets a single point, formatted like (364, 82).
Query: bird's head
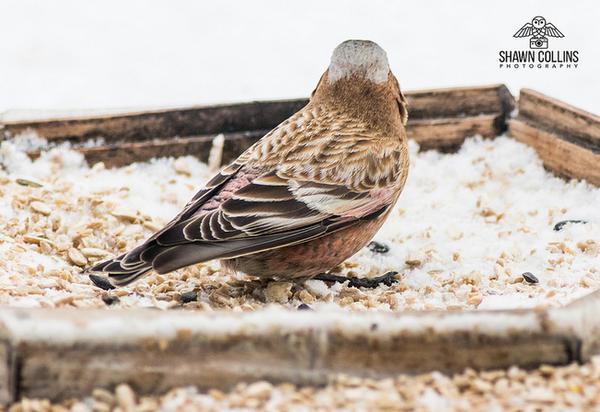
(538, 22)
(359, 58)
(359, 76)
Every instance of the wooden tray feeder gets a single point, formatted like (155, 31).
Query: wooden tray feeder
(61, 353)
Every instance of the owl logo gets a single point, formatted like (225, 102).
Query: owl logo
(539, 30)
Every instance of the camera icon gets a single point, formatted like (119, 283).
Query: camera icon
(538, 43)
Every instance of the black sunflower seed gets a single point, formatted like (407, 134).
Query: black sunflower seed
(530, 277)
(190, 296)
(110, 299)
(377, 247)
(562, 223)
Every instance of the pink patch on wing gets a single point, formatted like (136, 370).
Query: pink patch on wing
(242, 178)
(378, 199)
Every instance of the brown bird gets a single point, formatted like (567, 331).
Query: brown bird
(305, 197)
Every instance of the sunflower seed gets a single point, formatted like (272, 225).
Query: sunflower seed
(125, 398)
(151, 225)
(28, 181)
(35, 240)
(103, 395)
(305, 296)
(93, 252)
(377, 247)
(41, 207)
(190, 296)
(76, 257)
(130, 217)
(279, 292)
(110, 299)
(560, 225)
(530, 277)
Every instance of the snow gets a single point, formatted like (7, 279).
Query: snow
(75, 192)
(98, 327)
(317, 287)
(432, 401)
(69, 55)
(464, 230)
(480, 218)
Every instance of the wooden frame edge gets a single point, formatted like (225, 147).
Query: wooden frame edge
(439, 119)
(567, 139)
(307, 347)
(154, 351)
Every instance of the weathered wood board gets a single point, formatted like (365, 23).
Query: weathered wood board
(64, 353)
(439, 119)
(567, 139)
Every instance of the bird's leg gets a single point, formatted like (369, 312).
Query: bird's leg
(387, 279)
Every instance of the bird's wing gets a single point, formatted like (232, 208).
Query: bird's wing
(525, 31)
(309, 177)
(209, 190)
(320, 172)
(552, 31)
(270, 212)
(129, 266)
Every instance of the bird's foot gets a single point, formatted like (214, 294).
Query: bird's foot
(387, 279)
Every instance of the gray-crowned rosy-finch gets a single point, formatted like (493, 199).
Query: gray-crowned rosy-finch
(308, 195)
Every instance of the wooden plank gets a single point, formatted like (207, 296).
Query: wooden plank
(561, 156)
(581, 317)
(62, 353)
(440, 134)
(448, 134)
(8, 370)
(205, 120)
(440, 119)
(190, 121)
(560, 118)
(122, 154)
(566, 138)
(459, 102)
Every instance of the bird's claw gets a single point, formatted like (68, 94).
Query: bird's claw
(387, 279)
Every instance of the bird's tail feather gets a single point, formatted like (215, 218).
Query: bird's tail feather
(151, 255)
(117, 271)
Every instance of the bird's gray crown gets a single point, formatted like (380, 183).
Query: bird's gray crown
(359, 56)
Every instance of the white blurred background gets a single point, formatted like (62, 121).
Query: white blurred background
(77, 55)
